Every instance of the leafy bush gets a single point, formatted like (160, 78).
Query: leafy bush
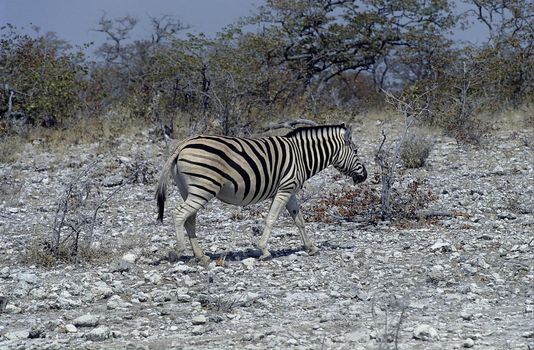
(46, 74)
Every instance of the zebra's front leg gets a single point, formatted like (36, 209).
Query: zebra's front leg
(292, 207)
(277, 205)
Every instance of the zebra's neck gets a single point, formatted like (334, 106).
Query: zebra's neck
(317, 148)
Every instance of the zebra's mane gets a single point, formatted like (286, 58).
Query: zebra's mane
(318, 127)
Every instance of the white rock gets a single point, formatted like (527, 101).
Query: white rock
(357, 336)
(130, 257)
(116, 302)
(468, 343)
(425, 332)
(436, 272)
(498, 170)
(155, 278)
(199, 319)
(87, 320)
(98, 334)
(70, 328)
(249, 263)
(20, 334)
(101, 290)
(27, 277)
(197, 330)
(441, 246)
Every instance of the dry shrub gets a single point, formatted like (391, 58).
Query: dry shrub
(40, 253)
(409, 202)
(348, 205)
(415, 151)
(363, 204)
(10, 148)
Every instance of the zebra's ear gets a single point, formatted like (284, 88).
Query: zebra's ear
(348, 135)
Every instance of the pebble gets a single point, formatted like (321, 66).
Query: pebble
(26, 277)
(468, 343)
(199, 319)
(70, 328)
(130, 257)
(425, 332)
(20, 334)
(116, 302)
(100, 333)
(101, 290)
(248, 263)
(441, 246)
(197, 330)
(87, 320)
(112, 181)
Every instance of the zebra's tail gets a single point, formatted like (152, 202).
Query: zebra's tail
(161, 191)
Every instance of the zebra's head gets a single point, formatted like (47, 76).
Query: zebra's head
(347, 161)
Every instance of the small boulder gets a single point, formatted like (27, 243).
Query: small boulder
(425, 332)
(199, 319)
(87, 320)
(98, 334)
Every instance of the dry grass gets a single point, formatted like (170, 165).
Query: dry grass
(104, 131)
(39, 253)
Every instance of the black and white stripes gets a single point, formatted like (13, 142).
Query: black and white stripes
(244, 171)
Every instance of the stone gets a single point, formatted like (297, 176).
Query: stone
(466, 315)
(112, 181)
(199, 319)
(357, 336)
(130, 257)
(101, 290)
(100, 333)
(20, 334)
(119, 266)
(116, 302)
(436, 273)
(155, 278)
(468, 343)
(197, 330)
(425, 332)
(27, 277)
(441, 246)
(249, 263)
(183, 298)
(87, 320)
(70, 328)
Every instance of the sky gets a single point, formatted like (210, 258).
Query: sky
(73, 20)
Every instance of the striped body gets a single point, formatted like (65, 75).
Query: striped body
(243, 171)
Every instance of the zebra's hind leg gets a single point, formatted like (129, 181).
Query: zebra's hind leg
(279, 201)
(185, 215)
(292, 207)
(190, 224)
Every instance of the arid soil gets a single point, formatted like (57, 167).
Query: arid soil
(463, 278)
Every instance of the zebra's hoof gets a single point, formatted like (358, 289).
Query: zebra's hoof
(313, 250)
(204, 260)
(265, 256)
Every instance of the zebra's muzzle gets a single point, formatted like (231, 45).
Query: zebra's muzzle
(359, 178)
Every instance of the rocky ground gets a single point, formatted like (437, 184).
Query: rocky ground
(462, 280)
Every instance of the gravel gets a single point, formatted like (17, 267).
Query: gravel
(458, 280)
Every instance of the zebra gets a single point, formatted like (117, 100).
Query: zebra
(243, 171)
